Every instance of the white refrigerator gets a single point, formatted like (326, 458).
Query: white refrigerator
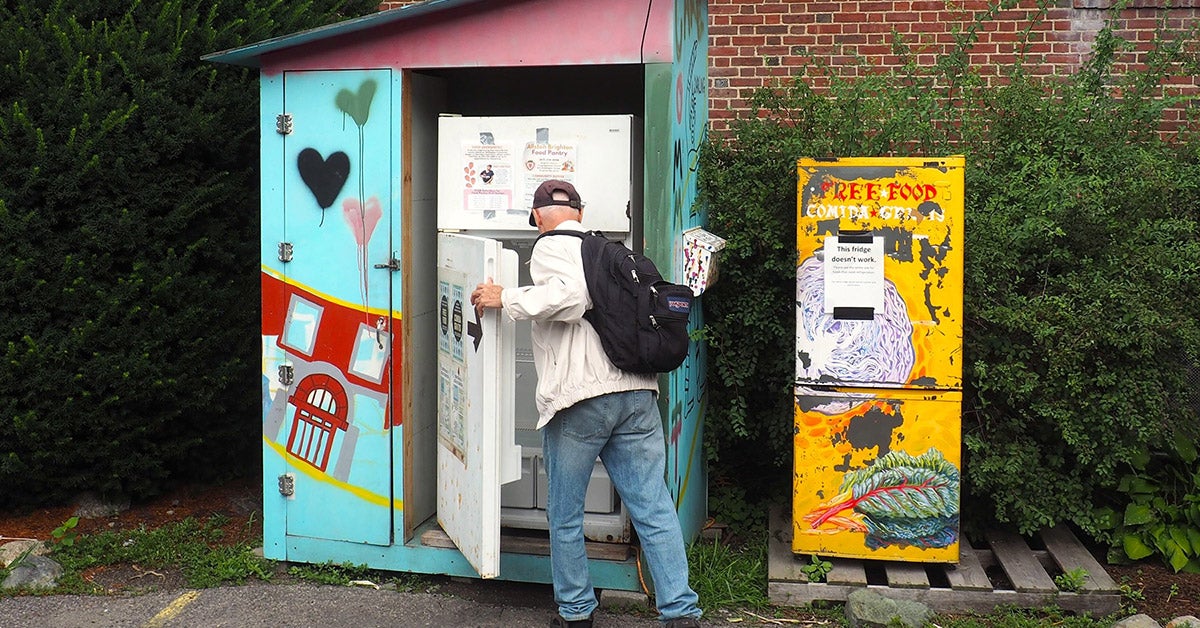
(489, 450)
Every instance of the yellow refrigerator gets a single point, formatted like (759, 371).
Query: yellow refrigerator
(878, 394)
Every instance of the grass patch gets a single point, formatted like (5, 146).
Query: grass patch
(1009, 617)
(413, 582)
(330, 573)
(195, 547)
(345, 574)
(729, 578)
(732, 583)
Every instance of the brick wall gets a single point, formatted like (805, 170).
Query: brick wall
(757, 43)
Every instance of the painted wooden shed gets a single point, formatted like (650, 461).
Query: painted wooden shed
(350, 294)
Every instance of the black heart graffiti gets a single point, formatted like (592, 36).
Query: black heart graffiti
(324, 177)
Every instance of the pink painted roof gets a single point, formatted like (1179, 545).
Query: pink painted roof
(473, 33)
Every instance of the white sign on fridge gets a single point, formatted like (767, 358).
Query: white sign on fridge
(853, 274)
(488, 184)
(544, 162)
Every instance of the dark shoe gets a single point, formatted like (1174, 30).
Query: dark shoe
(559, 622)
(682, 622)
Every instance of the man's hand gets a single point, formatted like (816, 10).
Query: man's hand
(486, 295)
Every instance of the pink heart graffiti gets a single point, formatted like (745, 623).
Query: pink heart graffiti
(362, 223)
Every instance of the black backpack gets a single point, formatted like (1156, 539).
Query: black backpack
(641, 318)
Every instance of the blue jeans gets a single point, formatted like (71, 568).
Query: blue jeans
(625, 431)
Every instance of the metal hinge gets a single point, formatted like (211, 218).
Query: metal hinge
(286, 374)
(285, 251)
(283, 124)
(287, 485)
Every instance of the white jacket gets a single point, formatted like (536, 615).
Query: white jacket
(567, 353)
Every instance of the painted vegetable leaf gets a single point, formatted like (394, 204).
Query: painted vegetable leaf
(901, 499)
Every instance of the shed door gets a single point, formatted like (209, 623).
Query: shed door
(336, 434)
(476, 450)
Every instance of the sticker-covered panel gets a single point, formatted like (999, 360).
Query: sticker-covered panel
(476, 448)
(879, 277)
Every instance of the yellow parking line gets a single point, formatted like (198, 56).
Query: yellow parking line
(172, 609)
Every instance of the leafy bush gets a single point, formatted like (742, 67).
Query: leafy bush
(1082, 267)
(1082, 288)
(1161, 515)
(128, 209)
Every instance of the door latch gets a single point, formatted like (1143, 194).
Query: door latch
(380, 325)
(286, 373)
(392, 264)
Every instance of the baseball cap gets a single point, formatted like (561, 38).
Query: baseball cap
(544, 195)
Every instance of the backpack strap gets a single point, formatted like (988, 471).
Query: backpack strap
(578, 234)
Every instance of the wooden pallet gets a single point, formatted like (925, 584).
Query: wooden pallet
(1005, 573)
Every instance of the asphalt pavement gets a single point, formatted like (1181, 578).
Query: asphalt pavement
(461, 603)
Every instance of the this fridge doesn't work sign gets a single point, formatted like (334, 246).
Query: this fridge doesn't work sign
(853, 273)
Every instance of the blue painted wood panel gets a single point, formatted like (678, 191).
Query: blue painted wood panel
(327, 312)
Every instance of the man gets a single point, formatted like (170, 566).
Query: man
(588, 408)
